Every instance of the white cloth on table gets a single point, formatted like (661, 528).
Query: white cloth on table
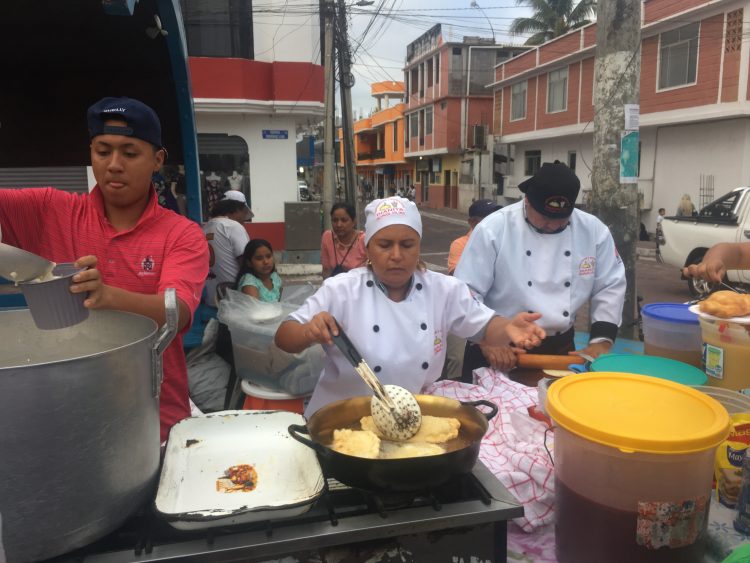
(513, 448)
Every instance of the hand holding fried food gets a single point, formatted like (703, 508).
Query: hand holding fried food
(726, 304)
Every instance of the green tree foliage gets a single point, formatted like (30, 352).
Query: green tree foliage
(552, 18)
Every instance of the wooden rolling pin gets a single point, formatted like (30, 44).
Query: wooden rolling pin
(542, 361)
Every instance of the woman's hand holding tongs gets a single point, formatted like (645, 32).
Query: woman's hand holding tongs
(320, 328)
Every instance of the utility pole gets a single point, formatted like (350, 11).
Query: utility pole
(329, 184)
(346, 81)
(614, 196)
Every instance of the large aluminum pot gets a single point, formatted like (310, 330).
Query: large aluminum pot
(79, 420)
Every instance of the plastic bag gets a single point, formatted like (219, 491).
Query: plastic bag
(253, 324)
(208, 374)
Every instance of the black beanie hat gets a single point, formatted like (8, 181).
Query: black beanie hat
(553, 190)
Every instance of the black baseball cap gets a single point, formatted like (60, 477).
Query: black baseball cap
(141, 121)
(553, 190)
(482, 208)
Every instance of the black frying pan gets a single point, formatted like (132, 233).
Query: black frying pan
(395, 475)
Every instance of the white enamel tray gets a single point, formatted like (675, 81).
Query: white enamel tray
(201, 449)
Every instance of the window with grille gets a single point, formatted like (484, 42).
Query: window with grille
(414, 124)
(678, 56)
(518, 101)
(428, 121)
(733, 36)
(395, 136)
(557, 90)
(532, 162)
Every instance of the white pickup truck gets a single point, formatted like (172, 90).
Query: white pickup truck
(686, 239)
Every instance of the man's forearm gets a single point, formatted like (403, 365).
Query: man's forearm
(151, 306)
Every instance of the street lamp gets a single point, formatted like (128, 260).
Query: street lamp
(475, 5)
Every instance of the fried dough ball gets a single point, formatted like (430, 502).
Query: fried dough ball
(434, 429)
(358, 443)
(726, 304)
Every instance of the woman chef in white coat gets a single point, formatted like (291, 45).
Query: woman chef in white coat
(397, 313)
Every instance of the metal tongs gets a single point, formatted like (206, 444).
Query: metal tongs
(709, 290)
(343, 343)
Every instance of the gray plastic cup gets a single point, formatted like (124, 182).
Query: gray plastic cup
(51, 303)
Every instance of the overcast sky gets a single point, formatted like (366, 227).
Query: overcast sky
(380, 56)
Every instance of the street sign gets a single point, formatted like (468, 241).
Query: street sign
(275, 134)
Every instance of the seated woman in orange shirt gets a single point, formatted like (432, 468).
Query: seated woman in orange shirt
(343, 247)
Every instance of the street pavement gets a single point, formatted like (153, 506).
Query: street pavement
(655, 282)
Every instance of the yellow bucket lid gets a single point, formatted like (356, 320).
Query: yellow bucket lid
(637, 413)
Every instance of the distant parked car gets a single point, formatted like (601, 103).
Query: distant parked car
(303, 192)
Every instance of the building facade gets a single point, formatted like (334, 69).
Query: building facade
(448, 115)
(256, 76)
(379, 143)
(694, 105)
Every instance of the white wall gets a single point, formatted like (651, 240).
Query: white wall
(273, 162)
(285, 35)
(554, 149)
(684, 152)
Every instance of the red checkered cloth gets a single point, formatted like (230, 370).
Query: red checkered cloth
(513, 448)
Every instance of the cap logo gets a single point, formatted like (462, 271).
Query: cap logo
(557, 204)
(114, 110)
(389, 207)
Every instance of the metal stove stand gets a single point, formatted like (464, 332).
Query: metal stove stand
(462, 521)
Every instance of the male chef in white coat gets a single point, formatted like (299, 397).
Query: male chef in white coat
(543, 255)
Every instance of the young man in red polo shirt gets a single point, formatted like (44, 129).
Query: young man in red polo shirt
(133, 248)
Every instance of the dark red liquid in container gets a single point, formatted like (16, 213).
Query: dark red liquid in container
(589, 532)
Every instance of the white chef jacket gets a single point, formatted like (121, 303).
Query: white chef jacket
(512, 269)
(404, 343)
(227, 240)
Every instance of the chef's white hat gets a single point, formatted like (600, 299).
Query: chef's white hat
(381, 213)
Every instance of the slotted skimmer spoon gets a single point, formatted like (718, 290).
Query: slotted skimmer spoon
(20, 266)
(395, 411)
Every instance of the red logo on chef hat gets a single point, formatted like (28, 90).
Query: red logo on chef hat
(388, 207)
(557, 204)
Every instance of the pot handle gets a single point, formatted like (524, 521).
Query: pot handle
(492, 406)
(295, 428)
(166, 335)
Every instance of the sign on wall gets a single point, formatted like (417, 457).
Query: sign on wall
(275, 134)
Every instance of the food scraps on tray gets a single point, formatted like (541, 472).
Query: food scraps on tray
(238, 478)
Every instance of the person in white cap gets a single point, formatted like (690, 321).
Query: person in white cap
(227, 239)
(397, 313)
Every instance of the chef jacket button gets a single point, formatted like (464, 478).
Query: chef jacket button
(418, 286)
(425, 365)
(528, 253)
(567, 284)
(376, 328)
(567, 253)
(529, 284)
(530, 312)
(377, 369)
(423, 326)
(565, 313)
(370, 283)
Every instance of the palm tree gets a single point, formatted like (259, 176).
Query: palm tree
(552, 18)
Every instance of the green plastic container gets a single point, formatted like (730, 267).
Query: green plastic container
(655, 366)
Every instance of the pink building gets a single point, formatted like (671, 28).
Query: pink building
(695, 113)
(448, 112)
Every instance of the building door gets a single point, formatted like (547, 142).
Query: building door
(425, 183)
(447, 188)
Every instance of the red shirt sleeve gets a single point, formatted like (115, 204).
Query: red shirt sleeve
(186, 266)
(22, 214)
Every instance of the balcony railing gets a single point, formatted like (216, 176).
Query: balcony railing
(373, 155)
